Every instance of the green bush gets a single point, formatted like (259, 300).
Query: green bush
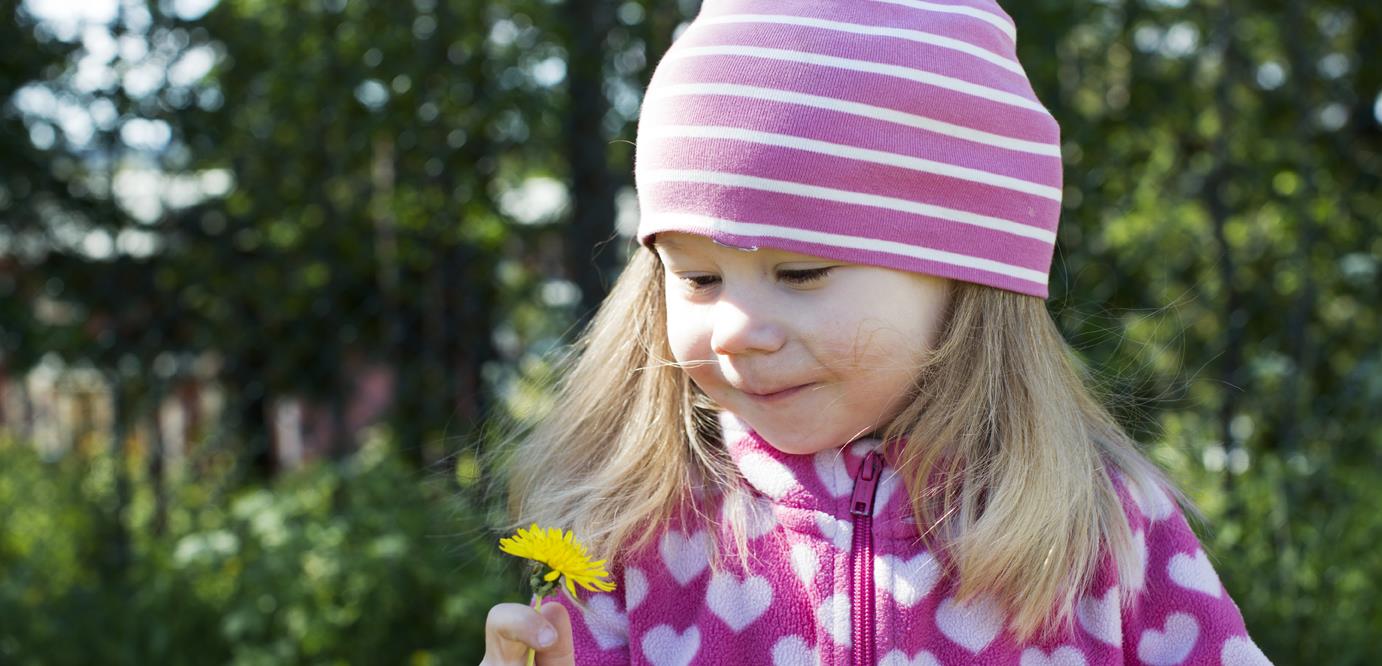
(358, 562)
(369, 562)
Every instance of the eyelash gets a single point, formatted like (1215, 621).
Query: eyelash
(794, 277)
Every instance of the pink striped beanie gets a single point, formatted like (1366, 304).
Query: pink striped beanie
(897, 133)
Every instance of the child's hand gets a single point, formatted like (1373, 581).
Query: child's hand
(511, 629)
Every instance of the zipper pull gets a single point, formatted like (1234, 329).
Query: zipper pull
(866, 485)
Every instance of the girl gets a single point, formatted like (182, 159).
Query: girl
(824, 416)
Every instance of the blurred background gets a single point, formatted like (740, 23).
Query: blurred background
(267, 268)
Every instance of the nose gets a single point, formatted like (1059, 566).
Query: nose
(743, 326)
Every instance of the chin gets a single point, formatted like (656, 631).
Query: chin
(797, 443)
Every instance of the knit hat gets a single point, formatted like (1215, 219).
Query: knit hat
(896, 133)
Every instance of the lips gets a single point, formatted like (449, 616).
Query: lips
(769, 392)
(777, 392)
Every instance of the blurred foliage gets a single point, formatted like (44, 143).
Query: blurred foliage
(434, 186)
(1219, 270)
(352, 561)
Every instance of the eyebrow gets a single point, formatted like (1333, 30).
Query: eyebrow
(666, 241)
(673, 246)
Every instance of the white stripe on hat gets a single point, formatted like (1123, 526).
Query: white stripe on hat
(918, 75)
(682, 220)
(856, 153)
(999, 22)
(846, 196)
(910, 35)
(858, 109)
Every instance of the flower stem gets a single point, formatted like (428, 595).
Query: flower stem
(532, 654)
(541, 588)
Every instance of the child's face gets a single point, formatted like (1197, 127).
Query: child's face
(809, 352)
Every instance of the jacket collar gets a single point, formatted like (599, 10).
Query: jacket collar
(819, 482)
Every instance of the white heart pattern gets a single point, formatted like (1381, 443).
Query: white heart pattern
(738, 603)
(863, 446)
(663, 646)
(732, 428)
(1139, 572)
(972, 626)
(767, 475)
(886, 487)
(1241, 651)
(1100, 617)
(1064, 655)
(908, 582)
(760, 518)
(830, 469)
(1195, 573)
(685, 556)
(805, 563)
(755, 512)
(1154, 503)
(899, 658)
(833, 616)
(635, 588)
(838, 532)
(607, 625)
(793, 651)
(1171, 646)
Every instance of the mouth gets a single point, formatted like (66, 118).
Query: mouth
(780, 394)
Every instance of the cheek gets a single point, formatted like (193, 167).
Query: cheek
(883, 359)
(879, 386)
(689, 339)
(864, 343)
(881, 355)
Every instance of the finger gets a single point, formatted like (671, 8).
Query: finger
(511, 629)
(562, 652)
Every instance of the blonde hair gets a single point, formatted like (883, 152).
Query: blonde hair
(1002, 412)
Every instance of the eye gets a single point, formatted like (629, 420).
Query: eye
(699, 281)
(805, 276)
(796, 277)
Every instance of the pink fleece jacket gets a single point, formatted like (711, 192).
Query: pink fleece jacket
(836, 577)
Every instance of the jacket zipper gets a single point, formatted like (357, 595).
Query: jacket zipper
(861, 611)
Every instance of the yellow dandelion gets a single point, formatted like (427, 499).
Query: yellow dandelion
(555, 554)
(563, 556)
